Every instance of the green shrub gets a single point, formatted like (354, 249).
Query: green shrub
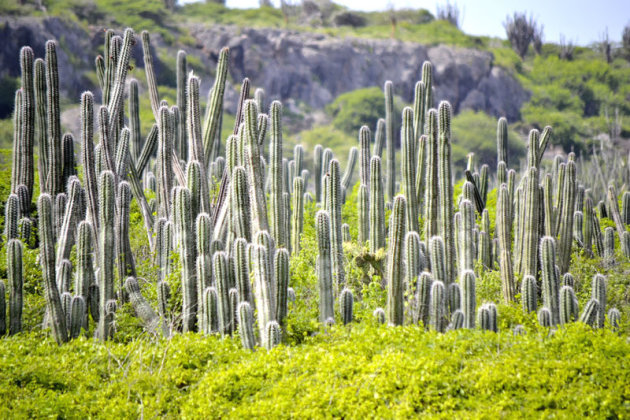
(351, 110)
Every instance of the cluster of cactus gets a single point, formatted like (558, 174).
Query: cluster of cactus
(235, 245)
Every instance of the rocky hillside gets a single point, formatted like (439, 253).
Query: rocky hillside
(308, 67)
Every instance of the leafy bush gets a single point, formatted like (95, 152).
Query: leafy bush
(351, 110)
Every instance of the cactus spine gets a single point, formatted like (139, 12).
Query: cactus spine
(377, 206)
(529, 294)
(565, 231)
(437, 309)
(469, 301)
(281, 266)
(184, 227)
(599, 293)
(107, 257)
(504, 227)
(346, 304)
(445, 188)
(409, 169)
(276, 208)
(298, 214)
(265, 307)
(16, 281)
(431, 179)
(550, 281)
(568, 305)
(334, 209)
(246, 325)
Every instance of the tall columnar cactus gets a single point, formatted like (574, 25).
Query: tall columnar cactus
(550, 281)
(587, 226)
(544, 318)
(409, 169)
(276, 209)
(12, 211)
(241, 270)
(437, 258)
(589, 314)
(181, 75)
(254, 169)
(625, 207)
(122, 67)
(565, 231)
(77, 316)
(614, 318)
(85, 269)
(246, 325)
(466, 237)
(47, 258)
(531, 229)
(548, 209)
(423, 297)
(265, 307)
(487, 317)
(88, 159)
(210, 312)
(431, 179)
(23, 165)
(324, 267)
(165, 161)
(379, 138)
(415, 260)
(215, 105)
(502, 141)
(124, 254)
(599, 292)
(16, 284)
(135, 146)
(297, 225)
(281, 266)
(336, 240)
(469, 298)
(445, 188)
(66, 235)
(421, 171)
(318, 154)
(241, 215)
(437, 309)
(222, 281)
(3, 309)
(365, 138)
(107, 191)
(395, 302)
(41, 111)
(427, 79)
(388, 89)
(609, 246)
(54, 176)
(185, 229)
(529, 294)
(346, 304)
(419, 109)
(349, 172)
(613, 206)
(568, 305)
(377, 206)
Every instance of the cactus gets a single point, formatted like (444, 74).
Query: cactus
(388, 90)
(503, 227)
(614, 318)
(69, 164)
(241, 270)
(437, 259)
(12, 210)
(469, 298)
(124, 254)
(568, 280)
(484, 254)
(210, 311)
(241, 216)
(215, 106)
(379, 315)
(334, 209)
(77, 316)
(415, 259)
(324, 266)
(184, 227)
(565, 231)
(64, 276)
(41, 111)
(609, 246)
(297, 224)
(431, 179)
(273, 335)
(395, 303)
(437, 307)
(345, 232)
(3, 310)
(346, 302)
(589, 314)
(419, 109)
(221, 278)
(454, 296)
(625, 207)
(15, 278)
(409, 169)
(529, 294)
(276, 209)
(613, 207)
(599, 292)
(204, 280)
(255, 172)
(457, 320)
(347, 175)
(106, 245)
(465, 242)
(281, 266)
(377, 206)
(423, 298)
(47, 258)
(265, 307)
(364, 211)
(550, 281)
(568, 305)
(53, 123)
(364, 155)
(578, 221)
(318, 153)
(246, 325)
(545, 318)
(530, 227)
(502, 141)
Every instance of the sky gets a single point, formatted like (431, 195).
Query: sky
(580, 21)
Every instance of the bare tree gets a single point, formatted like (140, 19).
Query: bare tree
(449, 12)
(520, 32)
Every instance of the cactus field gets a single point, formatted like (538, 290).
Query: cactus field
(183, 274)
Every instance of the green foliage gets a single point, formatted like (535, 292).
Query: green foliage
(476, 132)
(351, 110)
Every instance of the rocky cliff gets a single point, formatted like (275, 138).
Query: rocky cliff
(308, 67)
